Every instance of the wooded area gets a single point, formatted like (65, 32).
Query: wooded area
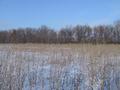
(76, 34)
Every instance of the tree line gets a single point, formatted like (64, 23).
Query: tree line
(77, 34)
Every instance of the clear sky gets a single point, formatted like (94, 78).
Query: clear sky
(57, 13)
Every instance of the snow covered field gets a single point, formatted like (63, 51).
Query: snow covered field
(59, 67)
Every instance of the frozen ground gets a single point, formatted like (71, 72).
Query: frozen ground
(55, 67)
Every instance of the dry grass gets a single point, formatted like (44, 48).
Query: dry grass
(58, 67)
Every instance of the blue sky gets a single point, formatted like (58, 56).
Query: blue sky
(57, 13)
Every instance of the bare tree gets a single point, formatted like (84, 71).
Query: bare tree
(77, 34)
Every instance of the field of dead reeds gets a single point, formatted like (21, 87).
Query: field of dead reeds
(59, 67)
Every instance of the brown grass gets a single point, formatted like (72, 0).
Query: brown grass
(18, 61)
